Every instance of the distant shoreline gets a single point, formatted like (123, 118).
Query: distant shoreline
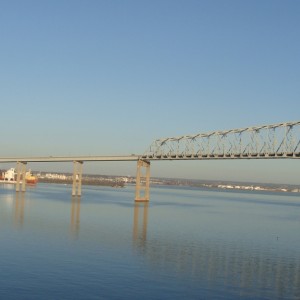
(122, 181)
(234, 186)
(84, 182)
(212, 186)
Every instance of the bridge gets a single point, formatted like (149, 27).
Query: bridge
(276, 141)
(269, 141)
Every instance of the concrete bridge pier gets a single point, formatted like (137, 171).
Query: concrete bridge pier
(21, 174)
(77, 178)
(142, 181)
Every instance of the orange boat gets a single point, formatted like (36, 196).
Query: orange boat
(30, 179)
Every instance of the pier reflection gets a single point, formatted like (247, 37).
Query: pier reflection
(19, 209)
(253, 271)
(75, 216)
(140, 223)
(250, 271)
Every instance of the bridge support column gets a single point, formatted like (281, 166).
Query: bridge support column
(142, 181)
(21, 174)
(77, 178)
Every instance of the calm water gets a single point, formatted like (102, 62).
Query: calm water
(186, 244)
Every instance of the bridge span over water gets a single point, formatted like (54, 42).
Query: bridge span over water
(276, 141)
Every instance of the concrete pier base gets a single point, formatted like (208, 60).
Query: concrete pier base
(21, 174)
(142, 189)
(77, 178)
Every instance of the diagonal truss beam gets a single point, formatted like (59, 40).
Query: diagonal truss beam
(269, 141)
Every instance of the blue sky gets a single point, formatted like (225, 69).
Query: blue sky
(108, 77)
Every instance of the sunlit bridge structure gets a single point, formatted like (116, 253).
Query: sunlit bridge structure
(276, 141)
(268, 141)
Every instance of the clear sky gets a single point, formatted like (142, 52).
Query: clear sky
(108, 77)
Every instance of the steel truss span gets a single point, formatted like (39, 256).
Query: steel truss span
(268, 141)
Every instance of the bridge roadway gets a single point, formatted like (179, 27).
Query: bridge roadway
(189, 156)
(69, 158)
(147, 157)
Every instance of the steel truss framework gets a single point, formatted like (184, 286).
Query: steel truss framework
(268, 141)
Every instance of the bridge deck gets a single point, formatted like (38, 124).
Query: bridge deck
(69, 158)
(148, 157)
(221, 156)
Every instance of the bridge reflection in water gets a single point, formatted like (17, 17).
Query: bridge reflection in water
(75, 216)
(248, 269)
(140, 223)
(215, 262)
(19, 206)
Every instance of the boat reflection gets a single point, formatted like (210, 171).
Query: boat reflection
(75, 217)
(140, 223)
